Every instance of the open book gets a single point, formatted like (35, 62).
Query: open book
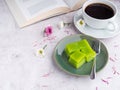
(27, 12)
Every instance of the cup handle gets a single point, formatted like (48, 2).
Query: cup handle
(111, 26)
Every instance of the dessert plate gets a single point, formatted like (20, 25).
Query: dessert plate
(97, 33)
(62, 60)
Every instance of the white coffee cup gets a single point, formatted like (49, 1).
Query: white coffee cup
(100, 23)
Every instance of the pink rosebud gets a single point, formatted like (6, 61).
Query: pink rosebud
(48, 31)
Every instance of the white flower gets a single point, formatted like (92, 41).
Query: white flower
(81, 22)
(40, 52)
(63, 24)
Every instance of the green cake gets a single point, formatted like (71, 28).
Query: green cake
(71, 47)
(86, 49)
(90, 54)
(77, 59)
(79, 52)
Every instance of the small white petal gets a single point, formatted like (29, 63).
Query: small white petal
(81, 22)
(40, 52)
(61, 25)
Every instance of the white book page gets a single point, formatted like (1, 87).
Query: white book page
(32, 8)
(71, 3)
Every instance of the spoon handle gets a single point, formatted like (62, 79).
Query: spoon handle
(93, 71)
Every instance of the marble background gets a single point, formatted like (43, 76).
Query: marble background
(21, 69)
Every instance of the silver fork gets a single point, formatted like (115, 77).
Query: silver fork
(96, 48)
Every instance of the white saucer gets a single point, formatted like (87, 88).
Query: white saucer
(101, 34)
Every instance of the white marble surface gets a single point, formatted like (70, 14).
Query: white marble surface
(21, 69)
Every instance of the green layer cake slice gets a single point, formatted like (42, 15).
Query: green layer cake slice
(90, 54)
(77, 59)
(72, 47)
(79, 52)
(86, 49)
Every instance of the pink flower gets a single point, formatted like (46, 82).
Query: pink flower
(48, 31)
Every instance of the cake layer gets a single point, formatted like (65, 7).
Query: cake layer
(77, 65)
(71, 47)
(86, 49)
(76, 57)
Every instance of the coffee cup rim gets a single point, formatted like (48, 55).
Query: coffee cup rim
(99, 1)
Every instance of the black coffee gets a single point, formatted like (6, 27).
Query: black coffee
(99, 11)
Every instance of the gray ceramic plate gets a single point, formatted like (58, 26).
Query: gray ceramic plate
(62, 61)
